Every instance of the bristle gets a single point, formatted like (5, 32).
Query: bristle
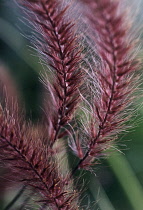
(60, 50)
(31, 163)
(117, 77)
(106, 91)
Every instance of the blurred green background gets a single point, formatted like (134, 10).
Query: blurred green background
(116, 184)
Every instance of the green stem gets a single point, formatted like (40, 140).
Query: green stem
(14, 200)
(99, 194)
(127, 179)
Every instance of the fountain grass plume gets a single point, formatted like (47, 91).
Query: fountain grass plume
(117, 78)
(58, 45)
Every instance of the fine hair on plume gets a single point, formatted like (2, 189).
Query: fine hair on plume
(90, 79)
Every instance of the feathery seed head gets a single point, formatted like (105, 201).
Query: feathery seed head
(116, 75)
